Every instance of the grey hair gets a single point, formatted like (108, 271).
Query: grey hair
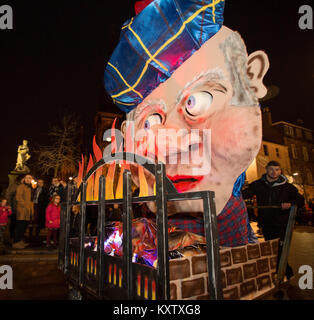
(236, 58)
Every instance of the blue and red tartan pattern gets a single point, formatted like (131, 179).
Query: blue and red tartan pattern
(155, 43)
(233, 225)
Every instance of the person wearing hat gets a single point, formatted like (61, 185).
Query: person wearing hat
(273, 189)
(177, 68)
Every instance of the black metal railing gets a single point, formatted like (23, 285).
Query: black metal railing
(111, 277)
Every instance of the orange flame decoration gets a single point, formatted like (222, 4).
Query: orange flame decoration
(92, 192)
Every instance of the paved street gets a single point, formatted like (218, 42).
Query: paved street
(301, 253)
(36, 275)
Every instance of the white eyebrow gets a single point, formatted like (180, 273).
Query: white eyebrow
(149, 103)
(209, 75)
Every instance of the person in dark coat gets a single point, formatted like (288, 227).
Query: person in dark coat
(10, 195)
(56, 188)
(273, 189)
(41, 201)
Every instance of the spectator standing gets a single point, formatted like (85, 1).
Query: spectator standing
(5, 211)
(273, 189)
(73, 185)
(11, 196)
(56, 188)
(75, 221)
(24, 211)
(41, 201)
(53, 220)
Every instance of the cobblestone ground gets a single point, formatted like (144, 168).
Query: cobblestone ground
(301, 253)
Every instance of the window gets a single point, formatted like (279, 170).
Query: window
(308, 135)
(289, 131)
(266, 153)
(305, 154)
(309, 177)
(294, 151)
(298, 132)
(277, 153)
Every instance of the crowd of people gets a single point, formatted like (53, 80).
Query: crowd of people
(32, 206)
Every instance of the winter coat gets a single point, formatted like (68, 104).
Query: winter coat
(56, 190)
(273, 194)
(4, 213)
(25, 206)
(43, 201)
(53, 216)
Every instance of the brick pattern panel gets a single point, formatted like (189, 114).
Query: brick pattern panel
(262, 265)
(234, 276)
(225, 258)
(199, 264)
(173, 291)
(246, 272)
(193, 287)
(253, 251)
(247, 287)
(239, 255)
(231, 294)
(265, 248)
(179, 269)
(249, 270)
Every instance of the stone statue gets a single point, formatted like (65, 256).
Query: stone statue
(22, 157)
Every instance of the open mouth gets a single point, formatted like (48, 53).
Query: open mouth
(185, 182)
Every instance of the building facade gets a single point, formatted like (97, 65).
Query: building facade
(300, 144)
(269, 151)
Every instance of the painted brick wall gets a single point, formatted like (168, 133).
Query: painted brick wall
(247, 272)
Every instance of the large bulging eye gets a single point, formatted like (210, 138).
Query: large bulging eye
(152, 120)
(198, 103)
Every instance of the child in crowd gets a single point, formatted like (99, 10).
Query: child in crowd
(53, 220)
(5, 211)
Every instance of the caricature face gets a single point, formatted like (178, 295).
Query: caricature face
(216, 137)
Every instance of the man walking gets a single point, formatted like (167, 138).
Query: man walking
(24, 211)
(273, 189)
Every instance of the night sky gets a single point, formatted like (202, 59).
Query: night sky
(54, 58)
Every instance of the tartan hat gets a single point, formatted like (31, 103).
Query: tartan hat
(156, 42)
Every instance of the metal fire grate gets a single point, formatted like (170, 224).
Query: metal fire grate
(101, 276)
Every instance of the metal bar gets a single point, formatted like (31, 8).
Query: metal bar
(120, 201)
(127, 235)
(264, 207)
(61, 257)
(67, 228)
(100, 234)
(286, 245)
(212, 247)
(198, 195)
(82, 232)
(163, 287)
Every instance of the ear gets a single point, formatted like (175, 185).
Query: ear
(123, 129)
(257, 67)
